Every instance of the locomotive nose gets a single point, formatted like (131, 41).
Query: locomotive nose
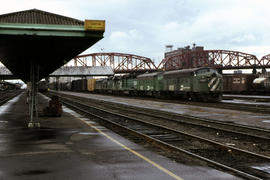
(211, 82)
(214, 83)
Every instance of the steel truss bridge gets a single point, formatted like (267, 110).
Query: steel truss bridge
(219, 59)
(121, 63)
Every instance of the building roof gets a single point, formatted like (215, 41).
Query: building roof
(35, 16)
(43, 40)
(83, 71)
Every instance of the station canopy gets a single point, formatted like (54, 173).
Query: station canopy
(44, 39)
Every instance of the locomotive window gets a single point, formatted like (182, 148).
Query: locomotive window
(202, 71)
(213, 71)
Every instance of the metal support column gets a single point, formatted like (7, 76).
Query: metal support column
(57, 83)
(34, 77)
(254, 71)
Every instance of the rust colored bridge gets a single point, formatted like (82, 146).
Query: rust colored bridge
(121, 63)
(219, 59)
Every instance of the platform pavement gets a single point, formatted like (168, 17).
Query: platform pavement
(72, 147)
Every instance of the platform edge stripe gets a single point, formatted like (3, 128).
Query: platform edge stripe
(137, 154)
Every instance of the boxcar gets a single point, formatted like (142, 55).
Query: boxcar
(80, 85)
(83, 84)
(238, 83)
(91, 85)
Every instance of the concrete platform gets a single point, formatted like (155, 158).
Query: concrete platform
(72, 147)
(246, 96)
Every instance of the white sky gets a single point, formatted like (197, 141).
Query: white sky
(144, 27)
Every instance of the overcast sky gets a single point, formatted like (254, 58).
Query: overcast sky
(144, 27)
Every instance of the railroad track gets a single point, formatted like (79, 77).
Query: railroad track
(7, 95)
(236, 106)
(257, 108)
(219, 145)
(256, 98)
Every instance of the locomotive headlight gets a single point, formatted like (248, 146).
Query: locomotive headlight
(203, 79)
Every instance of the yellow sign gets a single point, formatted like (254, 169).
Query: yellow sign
(94, 25)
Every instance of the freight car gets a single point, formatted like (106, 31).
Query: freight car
(239, 83)
(262, 84)
(79, 85)
(247, 83)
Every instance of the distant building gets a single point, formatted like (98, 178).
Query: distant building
(170, 52)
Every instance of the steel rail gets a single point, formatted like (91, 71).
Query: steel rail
(9, 96)
(244, 174)
(192, 120)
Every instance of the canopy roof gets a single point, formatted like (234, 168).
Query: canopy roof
(45, 39)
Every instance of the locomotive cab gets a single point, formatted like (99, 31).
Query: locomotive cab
(207, 84)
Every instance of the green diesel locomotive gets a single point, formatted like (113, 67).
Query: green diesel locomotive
(199, 84)
(203, 84)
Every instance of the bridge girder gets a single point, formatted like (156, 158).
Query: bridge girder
(120, 62)
(266, 60)
(221, 59)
